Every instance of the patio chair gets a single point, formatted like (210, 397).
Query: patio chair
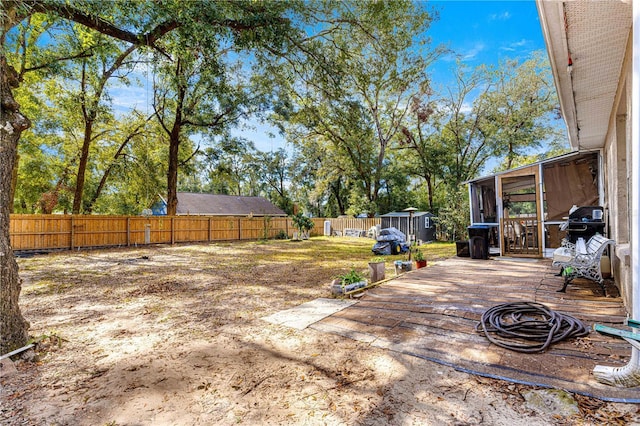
(521, 234)
(579, 260)
(515, 235)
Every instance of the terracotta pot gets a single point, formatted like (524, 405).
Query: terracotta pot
(421, 263)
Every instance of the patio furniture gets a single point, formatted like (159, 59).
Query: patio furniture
(582, 260)
(515, 235)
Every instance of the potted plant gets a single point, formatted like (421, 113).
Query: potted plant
(303, 224)
(350, 281)
(421, 262)
(376, 269)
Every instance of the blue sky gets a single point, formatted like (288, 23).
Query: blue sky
(479, 32)
(484, 32)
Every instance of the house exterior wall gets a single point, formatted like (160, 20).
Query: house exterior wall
(617, 180)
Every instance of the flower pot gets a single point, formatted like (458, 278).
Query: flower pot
(376, 271)
(336, 287)
(402, 266)
(421, 263)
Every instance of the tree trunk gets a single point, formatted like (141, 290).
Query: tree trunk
(14, 181)
(174, 147)
(172, 173)
(82, 167)
(13, 327)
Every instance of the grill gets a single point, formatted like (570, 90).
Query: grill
(585, 222)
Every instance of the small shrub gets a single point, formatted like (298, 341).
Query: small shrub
(281, 235)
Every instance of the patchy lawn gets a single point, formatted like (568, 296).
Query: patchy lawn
(173, 335)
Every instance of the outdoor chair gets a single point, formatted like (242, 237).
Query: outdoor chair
(515, 235)
(580, 260)
(521, 234)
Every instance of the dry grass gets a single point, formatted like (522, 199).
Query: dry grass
(173, 335)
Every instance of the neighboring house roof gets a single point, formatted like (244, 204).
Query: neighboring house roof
(586, 41)
(225, 205)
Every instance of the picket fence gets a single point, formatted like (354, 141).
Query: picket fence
(69, 232)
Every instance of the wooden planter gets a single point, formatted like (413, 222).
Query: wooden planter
(376, 271)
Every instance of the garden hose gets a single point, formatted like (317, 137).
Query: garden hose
(527, 326)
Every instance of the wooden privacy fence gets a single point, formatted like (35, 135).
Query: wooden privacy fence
(55, 232)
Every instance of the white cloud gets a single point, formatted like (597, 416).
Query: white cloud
(504, 16)
(465, 54)
(473, 51)
(516, 46)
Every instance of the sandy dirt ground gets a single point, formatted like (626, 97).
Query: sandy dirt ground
(173, 335)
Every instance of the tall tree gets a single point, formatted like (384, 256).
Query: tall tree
(464, 113)
(13, 327)
(275, 170)
(521, 107)
(125, 134)
(107, 59)
(200, 86)
(141, 23)
(231, 166)
(375, 58)
(420, 143)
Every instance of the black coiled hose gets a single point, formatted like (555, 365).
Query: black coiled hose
(528, 326)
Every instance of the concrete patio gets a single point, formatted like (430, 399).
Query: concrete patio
(432, 313)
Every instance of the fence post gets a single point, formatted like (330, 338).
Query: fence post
(173, 231)
(209, 230)
(128, 231)
(239, 228)
(72, 233)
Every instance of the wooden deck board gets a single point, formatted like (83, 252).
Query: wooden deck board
(432, 313)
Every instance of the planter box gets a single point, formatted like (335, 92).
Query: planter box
(376, 271)
(338, 288)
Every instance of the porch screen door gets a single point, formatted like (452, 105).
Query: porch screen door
(520, 231)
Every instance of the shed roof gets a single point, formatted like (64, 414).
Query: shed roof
(405, 214)
(225, 205)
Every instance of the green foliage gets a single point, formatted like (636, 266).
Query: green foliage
(281, 235)
(521, 108)
(353, 100)
(453, 217)
(417, 254)
(302, 223)
(370, 134)
(266, 227)
(350, 277)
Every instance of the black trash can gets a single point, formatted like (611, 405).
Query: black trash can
(479, 241)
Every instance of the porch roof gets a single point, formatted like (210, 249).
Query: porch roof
(586, 42)
(558, 159)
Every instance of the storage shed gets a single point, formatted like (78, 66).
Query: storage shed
(423, 226)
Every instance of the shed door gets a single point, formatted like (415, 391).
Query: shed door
(521, 233)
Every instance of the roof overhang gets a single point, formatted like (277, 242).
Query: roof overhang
(571, 156)
(586, 42)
